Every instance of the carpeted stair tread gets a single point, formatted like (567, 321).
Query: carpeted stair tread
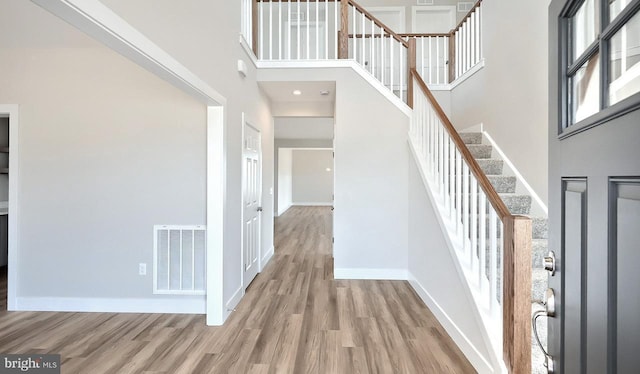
(503, 183)
(480, 151)
(471, 137)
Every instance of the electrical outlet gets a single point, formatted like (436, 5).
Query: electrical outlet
(142, 268)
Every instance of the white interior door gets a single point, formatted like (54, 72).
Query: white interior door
(251, 204)
(433, 19)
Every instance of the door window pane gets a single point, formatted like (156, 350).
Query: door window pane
(585, 26)
(585, 90)
(625, 61)
(616, 7)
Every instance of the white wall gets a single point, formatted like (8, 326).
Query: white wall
(432, 266)
(312, 177)
(285, 180)
(293, 143)
(371, 158)
(107, 150)
(509, 95)
(118, 148)
(203, 35)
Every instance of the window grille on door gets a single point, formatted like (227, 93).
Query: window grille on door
(179, 258)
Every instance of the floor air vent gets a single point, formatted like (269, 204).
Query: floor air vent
(179, 257)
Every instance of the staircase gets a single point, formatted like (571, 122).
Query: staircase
(518, 203)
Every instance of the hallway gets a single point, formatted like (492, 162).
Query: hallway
(294, 319)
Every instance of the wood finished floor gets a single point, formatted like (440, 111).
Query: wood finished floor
(294, 319)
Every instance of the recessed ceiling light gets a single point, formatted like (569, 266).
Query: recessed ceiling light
(324, 93)
(297, 92)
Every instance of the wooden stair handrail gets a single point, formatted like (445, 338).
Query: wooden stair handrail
(386, 28)
(483, 181)
(425, 35)
(467, 16)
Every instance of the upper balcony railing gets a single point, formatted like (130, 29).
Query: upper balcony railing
(308, 30)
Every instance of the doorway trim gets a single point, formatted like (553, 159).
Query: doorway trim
(12, 111)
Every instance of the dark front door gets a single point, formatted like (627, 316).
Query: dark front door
(594, 176)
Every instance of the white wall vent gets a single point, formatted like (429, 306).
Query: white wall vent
(179, 259)
(425, 2)
(464, 6)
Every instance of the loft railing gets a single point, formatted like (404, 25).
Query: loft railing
(376, 47)
(493, 246)
(294, 30)
(304, 30)
(443, 58)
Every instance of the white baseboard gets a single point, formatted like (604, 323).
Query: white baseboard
(313, 204)
(234, 300)
(109, 305)
(376, 274)
(267, 257)
(283, 210)
(476, 359)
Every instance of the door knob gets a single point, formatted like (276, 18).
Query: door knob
(550, 311)
(549, 262)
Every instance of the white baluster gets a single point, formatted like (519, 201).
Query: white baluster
(421, 66)
(288, 32)
(355, 32)
(317, 30)
(326, 29)
(372, 49)
(474, 222)
(458, 191)
(466, 209)
(482, 246)
(308, 31)
(270, 30)
(402, 67)
(260, 30)
(336, 28)
(364, 44)
(452, 178)
(382, 54)
(279, 29)
(298, 22)
(493, 260)
(445, 172)
(437, 64)
(391, 72)
(430, 79)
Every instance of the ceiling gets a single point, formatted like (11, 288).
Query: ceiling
(305, 116)
(283, 91)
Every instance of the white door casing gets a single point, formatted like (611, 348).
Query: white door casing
(251, 202)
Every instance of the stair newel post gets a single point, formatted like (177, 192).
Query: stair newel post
(516, 296)
(411, 62)
(343, 34)
(254, 26)
(452, 56)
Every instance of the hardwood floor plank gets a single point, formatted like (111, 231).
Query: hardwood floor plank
(294, 318)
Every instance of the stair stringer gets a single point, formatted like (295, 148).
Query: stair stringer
(492, 360)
